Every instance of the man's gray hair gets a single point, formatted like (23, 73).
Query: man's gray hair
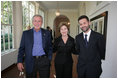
(37, 15)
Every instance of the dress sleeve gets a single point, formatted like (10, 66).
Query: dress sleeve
(77, 47)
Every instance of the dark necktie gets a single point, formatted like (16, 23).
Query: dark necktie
(86, 43)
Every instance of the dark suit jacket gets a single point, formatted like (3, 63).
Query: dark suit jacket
(90, 57)
(26, 47)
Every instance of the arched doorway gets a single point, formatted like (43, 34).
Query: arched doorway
(57, 22)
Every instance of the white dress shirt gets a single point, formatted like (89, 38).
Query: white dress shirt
(88, 35)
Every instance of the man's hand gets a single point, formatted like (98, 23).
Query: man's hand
(20, 66)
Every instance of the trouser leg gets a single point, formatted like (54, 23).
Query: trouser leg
(44, 68)
(33, 74)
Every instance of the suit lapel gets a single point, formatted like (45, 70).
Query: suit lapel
(82, 38)
(32, 37)
(43, 38)
(90, 39)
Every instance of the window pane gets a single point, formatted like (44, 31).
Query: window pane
(5, 12)
(2, 47)
(6, 44)
(28, 12)
(5, 17)
(11, 46)
(1, 19)
(10, 18)
(5, 5)
(6, 25)
(9, 6)
(2, 42)
(1, 12)
(32, 11)
(25, 14)
(1, 6)
(6, 37)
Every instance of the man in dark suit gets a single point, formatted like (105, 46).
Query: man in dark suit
(90, 47)
(36, 49)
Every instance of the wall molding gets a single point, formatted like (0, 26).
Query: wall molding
(100, 6)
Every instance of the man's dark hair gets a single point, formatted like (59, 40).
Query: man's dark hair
(48, 27)
(82, 17)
